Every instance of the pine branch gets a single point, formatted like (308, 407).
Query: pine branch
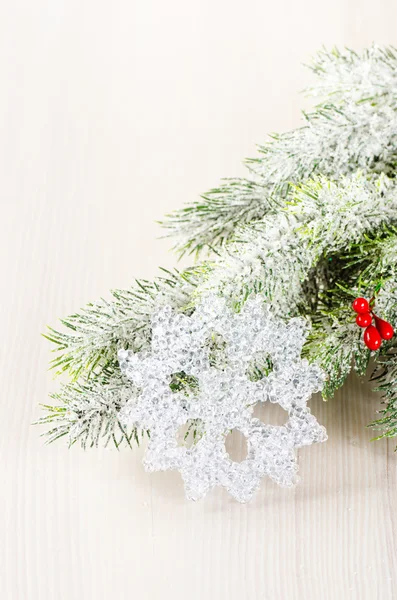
(88, 413)
(335, 343)
(94, 335)
(335, 141)
(354, 128)
(311, 227)
(376, 255)
(369, 76)
(275, 257)
(211, 221)
(385, 375)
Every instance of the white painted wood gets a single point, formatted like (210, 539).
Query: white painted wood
(112, 114)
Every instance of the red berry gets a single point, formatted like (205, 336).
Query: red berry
(363, 319)
(372, 338)
(360, 305)
(385, 329)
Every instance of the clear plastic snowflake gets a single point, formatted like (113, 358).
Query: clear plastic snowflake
(215, 353)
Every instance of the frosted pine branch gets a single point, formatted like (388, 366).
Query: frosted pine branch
(88, 413)
(92, 337)
(376, 255)
(336, 345)
(334, 141)
(335, 342)
(211, 221)
(385, 375)
(313, 226)
(356, 130)
(275, 256)
(349, 76)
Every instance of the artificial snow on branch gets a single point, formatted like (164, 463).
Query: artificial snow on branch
(312, 227)
(88, 413)
(354, 127)
(92, 337)
(274, 256)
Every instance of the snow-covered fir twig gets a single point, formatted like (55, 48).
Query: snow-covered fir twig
(313, 226)
(92, 337)
(88, 413)
(210, 222)
(335, 341)
(356, 77)
(355, 127)
(385, 378)
(275, 256)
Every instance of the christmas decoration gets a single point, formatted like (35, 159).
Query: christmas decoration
(372, 338)
(224, 397)
(364, 319)
(361, 306)
(373, 335)
(309, 233)
(385, 329)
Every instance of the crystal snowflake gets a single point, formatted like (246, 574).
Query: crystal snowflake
(215, 353)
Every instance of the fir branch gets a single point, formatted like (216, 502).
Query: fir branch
(369, 76)
(349, 131)
(310, 228)
(275, 256)
(335, 344)
(334, 141)
(385, 375)
(211, 221)
(94, 335)
(376, 255)
(88, 413)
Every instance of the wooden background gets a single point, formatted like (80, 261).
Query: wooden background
(112, 114)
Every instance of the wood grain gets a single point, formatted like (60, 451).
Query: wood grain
(112, 114)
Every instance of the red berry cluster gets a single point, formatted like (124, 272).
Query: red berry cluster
(373, 334)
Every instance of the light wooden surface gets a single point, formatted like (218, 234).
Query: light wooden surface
(112, 114)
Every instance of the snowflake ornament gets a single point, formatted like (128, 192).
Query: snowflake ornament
(228, 362)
